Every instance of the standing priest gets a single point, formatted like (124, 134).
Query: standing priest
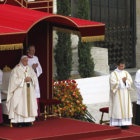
(35, 64)
(21, 99)
(120, 103)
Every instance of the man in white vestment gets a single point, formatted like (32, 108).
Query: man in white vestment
(35, 64)
(137, 84)
(120, 110)
(21, 99)
(1, 118)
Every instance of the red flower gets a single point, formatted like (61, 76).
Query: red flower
(85, 109)
(73, 81)
(73, 87)
(69, 84)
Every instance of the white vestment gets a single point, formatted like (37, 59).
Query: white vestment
(1, 74)
(120, 109)
(21, 101)
(137, 84)
(31, 61)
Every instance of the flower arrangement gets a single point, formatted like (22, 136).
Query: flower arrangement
(69, 94)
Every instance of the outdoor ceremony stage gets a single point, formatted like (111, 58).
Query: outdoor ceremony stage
(68, 129)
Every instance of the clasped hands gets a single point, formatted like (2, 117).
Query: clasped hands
(34, 66)
(124, 79)
(28, 79)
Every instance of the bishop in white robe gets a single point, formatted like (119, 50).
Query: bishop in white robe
(35, 64)
(1, 118)
(120, 109)
(137, 84)
(21, 98)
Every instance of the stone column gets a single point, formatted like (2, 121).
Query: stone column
(100, 58)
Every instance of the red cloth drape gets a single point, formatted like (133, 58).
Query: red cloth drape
(18, 21)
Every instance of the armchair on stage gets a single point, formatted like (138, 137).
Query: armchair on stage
(104, 110)
(48, 107)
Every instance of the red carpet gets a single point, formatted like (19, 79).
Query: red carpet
(68, 129)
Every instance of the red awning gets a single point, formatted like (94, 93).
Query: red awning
(17, 21)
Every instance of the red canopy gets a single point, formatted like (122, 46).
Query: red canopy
(17, 21)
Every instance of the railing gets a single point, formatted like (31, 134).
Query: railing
(40, 5)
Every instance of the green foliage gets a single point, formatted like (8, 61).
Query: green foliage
(83, 9)
(86, 65)
(63, 56)
(63, 51)
(64, 7)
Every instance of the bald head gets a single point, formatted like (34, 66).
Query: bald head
(24, 60)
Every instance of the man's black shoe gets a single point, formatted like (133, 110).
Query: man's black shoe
(118, 126)
(37, 119)
(125, 127)
(19, 125)
(28, 124)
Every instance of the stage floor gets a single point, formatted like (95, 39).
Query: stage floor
(67, 129)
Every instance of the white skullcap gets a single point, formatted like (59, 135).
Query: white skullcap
(24, 56)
